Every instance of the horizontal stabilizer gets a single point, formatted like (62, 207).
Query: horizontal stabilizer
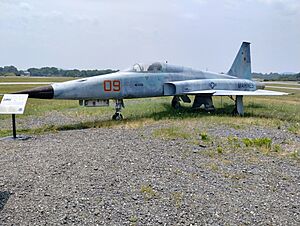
(258, 92)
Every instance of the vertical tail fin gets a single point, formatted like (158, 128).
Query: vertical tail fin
(241, 66)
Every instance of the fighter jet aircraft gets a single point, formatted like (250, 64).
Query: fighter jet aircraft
(161, 79)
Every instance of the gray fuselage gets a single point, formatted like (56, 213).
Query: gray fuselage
(123, 85)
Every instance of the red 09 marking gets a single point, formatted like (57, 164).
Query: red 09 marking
(112, 86)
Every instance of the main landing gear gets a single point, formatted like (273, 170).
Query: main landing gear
(200, 100)
(175, 102)
(207, 101)
(118, 116)
(239, 106)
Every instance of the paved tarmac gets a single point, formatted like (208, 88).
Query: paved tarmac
(284, 83)
(283, 87)
(25, 83)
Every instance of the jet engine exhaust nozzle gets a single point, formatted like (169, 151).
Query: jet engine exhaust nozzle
(260, 85)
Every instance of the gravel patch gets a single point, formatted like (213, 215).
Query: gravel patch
(55, 118)
(122, 176)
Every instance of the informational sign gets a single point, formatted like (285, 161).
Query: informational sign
(13, 104)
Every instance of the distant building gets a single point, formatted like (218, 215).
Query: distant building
(25, 73)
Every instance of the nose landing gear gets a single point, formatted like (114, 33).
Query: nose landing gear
(118, 116)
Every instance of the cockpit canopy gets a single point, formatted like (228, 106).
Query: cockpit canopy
(156, 67)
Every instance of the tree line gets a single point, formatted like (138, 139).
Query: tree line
(277, 76)
(51, 72)
(54, 72)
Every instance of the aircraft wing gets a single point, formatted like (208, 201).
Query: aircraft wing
(258, 92)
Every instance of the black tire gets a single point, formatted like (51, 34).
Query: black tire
(117, 117)
(235, 112)
(175, 104)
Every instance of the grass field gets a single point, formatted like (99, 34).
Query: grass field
(276, 111)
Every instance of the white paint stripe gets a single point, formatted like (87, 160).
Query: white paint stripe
(281, 87)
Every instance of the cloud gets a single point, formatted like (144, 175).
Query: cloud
(200, 1)
(25, 6)
(189, 16)
(180, 31)
(286, 7)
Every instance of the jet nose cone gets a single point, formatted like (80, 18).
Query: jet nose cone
(43, 92)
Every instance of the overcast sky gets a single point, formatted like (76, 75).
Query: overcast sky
(204, 34)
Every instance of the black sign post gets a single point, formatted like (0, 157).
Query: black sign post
(14, 126)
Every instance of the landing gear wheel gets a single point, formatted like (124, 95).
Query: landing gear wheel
(117, 116)
(175, 103)
(234, 112)
(210, 109)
